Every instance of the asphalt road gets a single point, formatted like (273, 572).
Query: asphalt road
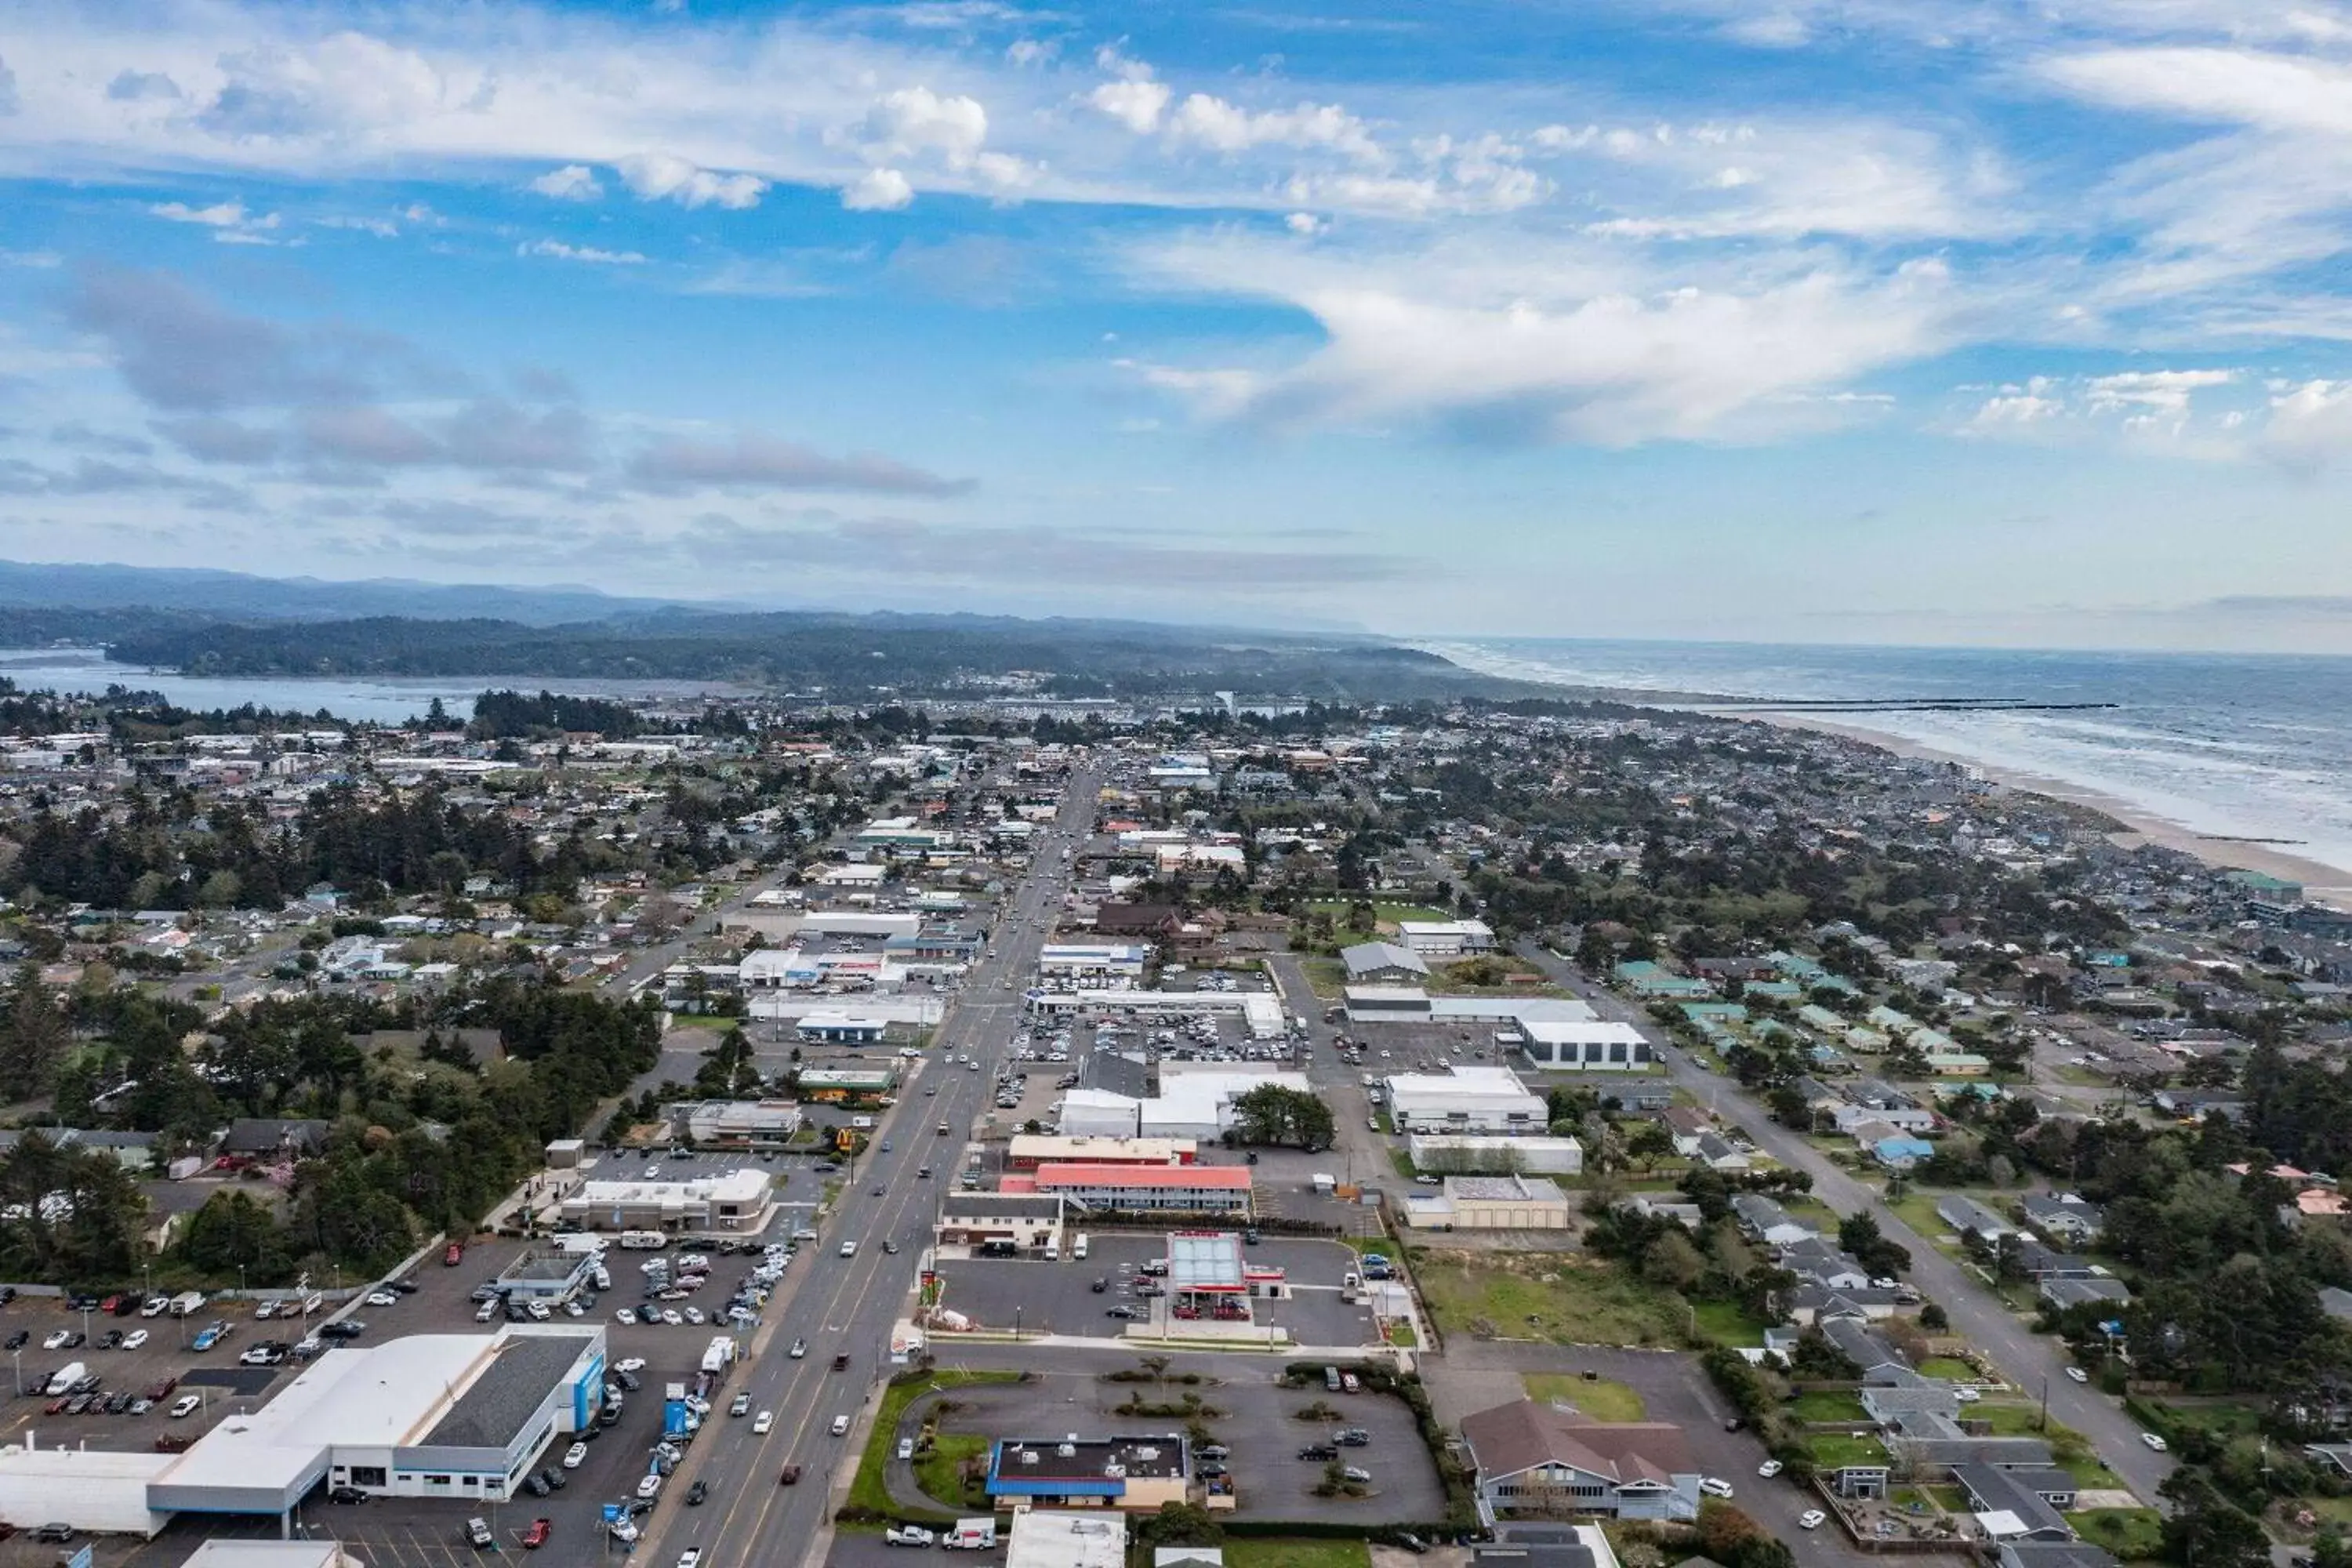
(848, 1304)
(2034, 1363)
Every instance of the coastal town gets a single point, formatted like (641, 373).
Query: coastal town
(1097, 1130)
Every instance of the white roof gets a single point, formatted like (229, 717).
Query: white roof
(1582, 1032)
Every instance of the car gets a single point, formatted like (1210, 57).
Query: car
(800, 1349)
(906, 1450)
(878, 1190)
(1351, 1437)
(536, 1536)
(630, 1364)
(346, 1495)
(1121, 1313)
(111, 1340)
(383, 1299)
(1769, 1469)
(922, 1173)
(208, 1337)
(349, 1329)
(556, 1480)
(2153, 1441)
(625, 1316)
(477, 1534)
(576, 1455)
(2078, 1375)
(134, 1340)
(1355, 1473)
(741, 1406)
(694, 1315)
(763, 1422)
(650, 1484)
(697, 1494)
(908, 1535)
(1324, 1451)
(840, 1427)
(54, 1533)
(890, 1246)
(623, 1530)
(849, 1249)
(790, 1476)
(18, 1340)
(1715, 1486)
(536, 1485)
(690, 1558)
(79, 1405)
(56, 1341)
(154, 1306)
(1423, 1179)
(1812, 1519)
(186, 1405)
(453, 1255)
(1101, 1284)
(161, 1391)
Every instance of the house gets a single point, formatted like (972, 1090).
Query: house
(267, 1137)
(1718, 1152)
(1529, 1458)
(1688, 1124)
(2038, 1261)
(1555, 1546)
(2063, 1218)
(2064, 1292)
(1152, 921)
(1879, 1361)
(1764, 1220)
(1819, 1262)
(1969, 1218)
(1383, 963)
(2015, 1504)
(1900, 1151)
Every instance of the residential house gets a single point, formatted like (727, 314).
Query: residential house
(1969, 1218)
(1819, 1262)
(2038, 1261)
(2065, 1291)
(1718, 1152)
(1688, 1124)
(267, 1138)
(1530, 1458)
(2016, 1504)
(1764, 1220)
(1880, 1362)
(2063, 1218)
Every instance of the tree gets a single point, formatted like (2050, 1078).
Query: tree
(1272, 1115)
(2207, 1529)
(34, 1038)
(1673, 1260)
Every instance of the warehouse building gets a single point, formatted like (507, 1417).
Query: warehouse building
(837, 1086)
(833, 1026)
(1383, 963)
(1591, 1046)
(1472, 1154)
(1446, 939)
(461, 1416)
(1468, 1100)
(1260, 1011)
(1193, 1104)
(1489, 1203)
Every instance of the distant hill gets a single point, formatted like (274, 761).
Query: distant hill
(239, 595)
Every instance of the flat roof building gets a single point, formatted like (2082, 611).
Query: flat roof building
(1141, 1473)
(1137, 1189)
(1468, 1100)
(727, 1200)
(1489, 1203)
(1027, 1151)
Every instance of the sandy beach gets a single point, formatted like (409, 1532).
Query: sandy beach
(2322, 883)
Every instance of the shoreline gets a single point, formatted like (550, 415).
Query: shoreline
(2322, 883)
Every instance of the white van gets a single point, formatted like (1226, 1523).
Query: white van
(1053, 1251)
(1078, 1248)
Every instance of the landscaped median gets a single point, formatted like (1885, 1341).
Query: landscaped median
(870, 1494)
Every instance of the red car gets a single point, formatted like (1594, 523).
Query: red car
(453, 1255)
(536, 1536)
(790, 1478)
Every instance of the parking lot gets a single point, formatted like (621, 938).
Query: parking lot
(1257, 1418)
(1059, 1298)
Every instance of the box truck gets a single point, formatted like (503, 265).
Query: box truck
(73, 1372)
(187, 1301)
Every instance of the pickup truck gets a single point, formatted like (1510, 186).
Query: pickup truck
(536, 1536)
(908, 1535)
(477, 1534)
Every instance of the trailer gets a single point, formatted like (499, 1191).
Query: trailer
(577, 1244)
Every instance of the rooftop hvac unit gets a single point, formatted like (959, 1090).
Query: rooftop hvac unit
(1147, 1454)
(1067, 1451)
(1028, 1456)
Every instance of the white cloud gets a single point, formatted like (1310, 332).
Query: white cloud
(663, 177)
(1135, 102)
(915, 120)
(220, 214)
(1031, 51)
(562, 252)
(571, 183)
(2162, 392)
(1222, 127)
(2310, 425)
(877, 191)
(1304, 223)
(1771, 30)
(2240, 86)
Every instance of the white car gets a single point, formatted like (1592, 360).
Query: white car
(134, 1339)
(800, 1349)
(669, 1316)
(576, 1455)
(538, 1313)
(1769, 1469)
(1715, 1486)
(625, 1316)
(383, 1299)
(690, 1558)
(1966, 1396)
(650, 1484)
(1812, 1519)
(630, 1364)
(848, 1250)
(840, 1425)
(56, 1341)
(2075, 1373)
(187, 1404)
(2153, 1441)
(624, 1531)
(694, 1315)
(763, 1422)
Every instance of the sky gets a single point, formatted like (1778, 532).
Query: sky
(1860, 321)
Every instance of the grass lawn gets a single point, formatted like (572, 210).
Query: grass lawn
(1951, 1500)
(1402, 1334)
(868, 1489)
(2008, 1420)
(1328, 976)
(1826, 1404)
(1383, 912)
(1402, 1161)
(1565, 1299)
(1950, 1368)
(939, 1472)
(1273, 1551)
(1598, 1397)
(1725, 1324)
(2222, 1418)
(1833, 1449)
(1917, 1210)
(2130, 1533)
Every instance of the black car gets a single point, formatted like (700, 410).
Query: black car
(1210, 1469)
(554, 1477)
(18, 1341)
(629, 1380)
(349, 1329)
(54, 1532)
(696, 1493)
(1318, 1451)
(405, 1287)
(535, 1486)
(111, 1340)
(346, 1495)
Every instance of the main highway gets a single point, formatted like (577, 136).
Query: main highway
(847, 1305)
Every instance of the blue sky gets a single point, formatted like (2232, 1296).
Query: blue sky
(1900, 320)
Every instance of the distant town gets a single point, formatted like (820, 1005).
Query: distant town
(1087, 1131)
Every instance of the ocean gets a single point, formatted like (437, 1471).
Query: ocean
(2239, 746)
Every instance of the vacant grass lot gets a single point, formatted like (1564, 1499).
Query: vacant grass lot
(868, 1489)
(2131, 1533)
(1599, 1398)
(1826, 1404)
(1723, 1323)
(1275, 1552)
(1546, 1296)
(941, 1472)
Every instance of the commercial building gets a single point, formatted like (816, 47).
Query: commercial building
(550, 1276)
(1260, 1011)
(1588, 1045)
(1383, 963)
(753, 1124)
(1132, 1189)
(1471, 1154)
(1092, 961)
(1025, 1221)
(1468, 1100)
(837, 1086)
(1489, 1203)
(1049, 1538)
(1142, 1474)
(833, 1026)
(462, 1417)
(1027, 1151)
(1446, 939)
(1534, 1459)
(728, 1200)
(1195, 1102)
